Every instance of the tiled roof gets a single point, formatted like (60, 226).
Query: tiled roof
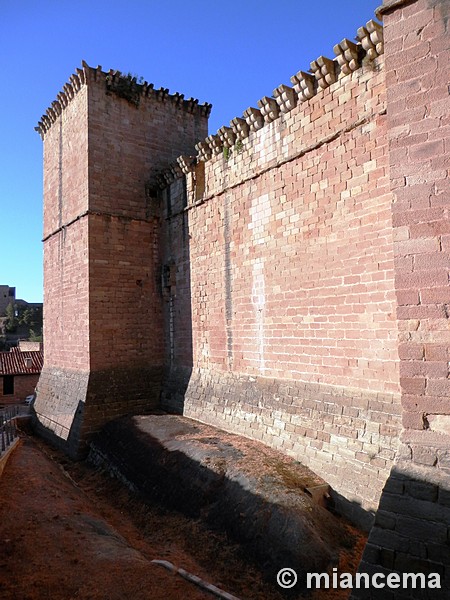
(16, 362)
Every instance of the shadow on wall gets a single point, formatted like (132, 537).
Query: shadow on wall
(62, 431)
(353, 511)
(224, 397)
(410, 536)
(202, 477)
(176, 292)
(411, 531)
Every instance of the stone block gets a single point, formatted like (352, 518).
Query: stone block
(347, 55)
(371, 39)
(254, 118)
(286, 98)
(324, 70)
(269, 109)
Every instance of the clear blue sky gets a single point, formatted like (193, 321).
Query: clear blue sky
(228, 52)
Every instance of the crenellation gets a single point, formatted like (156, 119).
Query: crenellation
(371, 38)
(69, 91)
(178, 99)
(205, 109)
(215, 143)
(285, 97)
(62, 99)
(162, 94)
(269, 109)
(161, 180)
(56, 108)
(240, 128)
(347, 55)
(227, 136)
(168, 176)
(51, 114)
(75, 82)
(176, 170)
(305, 85)
(147, 88)
(254, 118)
(88, 75)
(187, 164)
(204, 150)
(324, 70)
(43, 125)
(191, 104)
(82, 74)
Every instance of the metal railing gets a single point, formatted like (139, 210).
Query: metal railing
(54, 426)
(8, 428)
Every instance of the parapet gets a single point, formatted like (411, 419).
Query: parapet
(323, 72)
(125, 86)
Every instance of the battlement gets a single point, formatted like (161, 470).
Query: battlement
(115, 82)
(323, 73)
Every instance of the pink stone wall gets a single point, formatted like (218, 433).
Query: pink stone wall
(411, 526)
(288, 268)
(103, 325)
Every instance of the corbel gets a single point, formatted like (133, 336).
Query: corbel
(269, 109)
(304, 85)
(285, 97)
(324, 70)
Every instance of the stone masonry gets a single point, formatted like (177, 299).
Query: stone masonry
(288, 276)
(412, 525)
(105, 139)
(288, 267)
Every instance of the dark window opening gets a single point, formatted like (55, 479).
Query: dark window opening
(8, 385)
(168, 201)
(199, 180)
(185, 198)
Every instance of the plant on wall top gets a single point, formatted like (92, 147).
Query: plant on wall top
(125, 86)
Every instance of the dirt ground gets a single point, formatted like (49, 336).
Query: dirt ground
(69, 531)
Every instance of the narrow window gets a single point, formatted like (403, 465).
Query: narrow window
(199, 180)
(168, 201)
(185, 197)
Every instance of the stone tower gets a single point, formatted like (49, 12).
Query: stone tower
(105, 139)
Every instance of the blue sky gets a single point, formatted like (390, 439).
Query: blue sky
(228, 53)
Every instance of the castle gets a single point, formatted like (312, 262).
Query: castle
(287, 278)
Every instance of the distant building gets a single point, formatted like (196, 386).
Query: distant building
(7, 295)
(19, 373)
(25, 323)
(27, 346)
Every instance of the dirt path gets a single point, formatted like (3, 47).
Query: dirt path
(68, 531)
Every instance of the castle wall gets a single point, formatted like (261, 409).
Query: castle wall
(7, 295)
(176, 296)
(289, 267)
(66, 259)
(289, 284)
(411, 530)
(105, 138)
(62, 386)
